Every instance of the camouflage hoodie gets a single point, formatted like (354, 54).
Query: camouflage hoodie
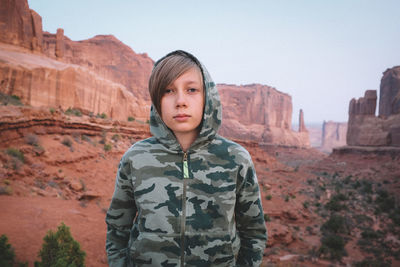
(199, 208)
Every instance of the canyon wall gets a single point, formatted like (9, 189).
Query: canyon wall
(260, 113)
(333, 135)
(366, 129)
(98, 75)
(20, 25)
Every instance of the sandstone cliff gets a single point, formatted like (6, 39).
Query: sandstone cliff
(42, 81)
(20, 25)
(366, 129)
(260, 113)
(389, 103)
(106, 56)
(333, 135)
(99, 75)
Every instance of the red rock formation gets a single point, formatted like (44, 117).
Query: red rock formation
(389, 99)
(37, 39)
(259, 113)
(364, 128)
(333, 135)
(109, 58)
(19, 25)
(60, 45)
(41, 81)
(315, 133)
(100, 75)
(364, 105)
(302, 126)
(17, 122)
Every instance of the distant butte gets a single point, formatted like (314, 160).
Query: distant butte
(366, 129)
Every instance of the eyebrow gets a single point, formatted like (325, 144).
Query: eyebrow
(190, 82)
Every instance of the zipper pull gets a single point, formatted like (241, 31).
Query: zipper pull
(185, 166)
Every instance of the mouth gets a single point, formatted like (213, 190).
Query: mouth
(181, 117)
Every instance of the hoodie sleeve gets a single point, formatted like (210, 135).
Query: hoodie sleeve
(250, 219)
(120, 217)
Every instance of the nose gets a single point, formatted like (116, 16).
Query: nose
(180, 99)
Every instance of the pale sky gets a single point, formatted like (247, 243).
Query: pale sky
(322, 53)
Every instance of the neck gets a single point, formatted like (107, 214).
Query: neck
(186, 140)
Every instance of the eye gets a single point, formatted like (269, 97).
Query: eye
(192, 90)
(167, 91)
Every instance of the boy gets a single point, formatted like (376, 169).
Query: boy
(186, 196)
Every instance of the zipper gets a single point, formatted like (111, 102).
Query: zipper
(185, 166)
(183, 218)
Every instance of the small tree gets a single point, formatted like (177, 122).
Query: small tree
(60, 250)
(6, 252)
(7, 255)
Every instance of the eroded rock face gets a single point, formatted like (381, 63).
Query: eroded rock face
(41, 81)
(333, 135)
(260, 113)
(19, 25)
(106, 56)
(389, 99)
(364, 105)
(364, 128)
(302, 126)
(99, 75)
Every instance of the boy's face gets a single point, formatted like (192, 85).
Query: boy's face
(182, 104)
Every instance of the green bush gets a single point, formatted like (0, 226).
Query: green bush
(369, 262)
(384, 201)
(6, 190)
(395, 216)
(131, 118)
(102, 115)
(335, 204)
(268, 197)
(356, 184)
(10, 100)
(7, 255)
(67, 142)
(362, 219)
(59, 249)
(333, 247)
(32, 139)
(335, 224)
(16, 153)
(74, 112)
(115, 137)
(367, 187)
(347, 180)
(266, 217)
(107, 147)
(103, 137)
(370, 234)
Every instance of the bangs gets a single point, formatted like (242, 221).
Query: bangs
(165, 72)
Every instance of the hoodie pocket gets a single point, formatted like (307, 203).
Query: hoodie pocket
(210, 250)
(150, 249)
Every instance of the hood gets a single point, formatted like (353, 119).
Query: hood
(212, 118)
